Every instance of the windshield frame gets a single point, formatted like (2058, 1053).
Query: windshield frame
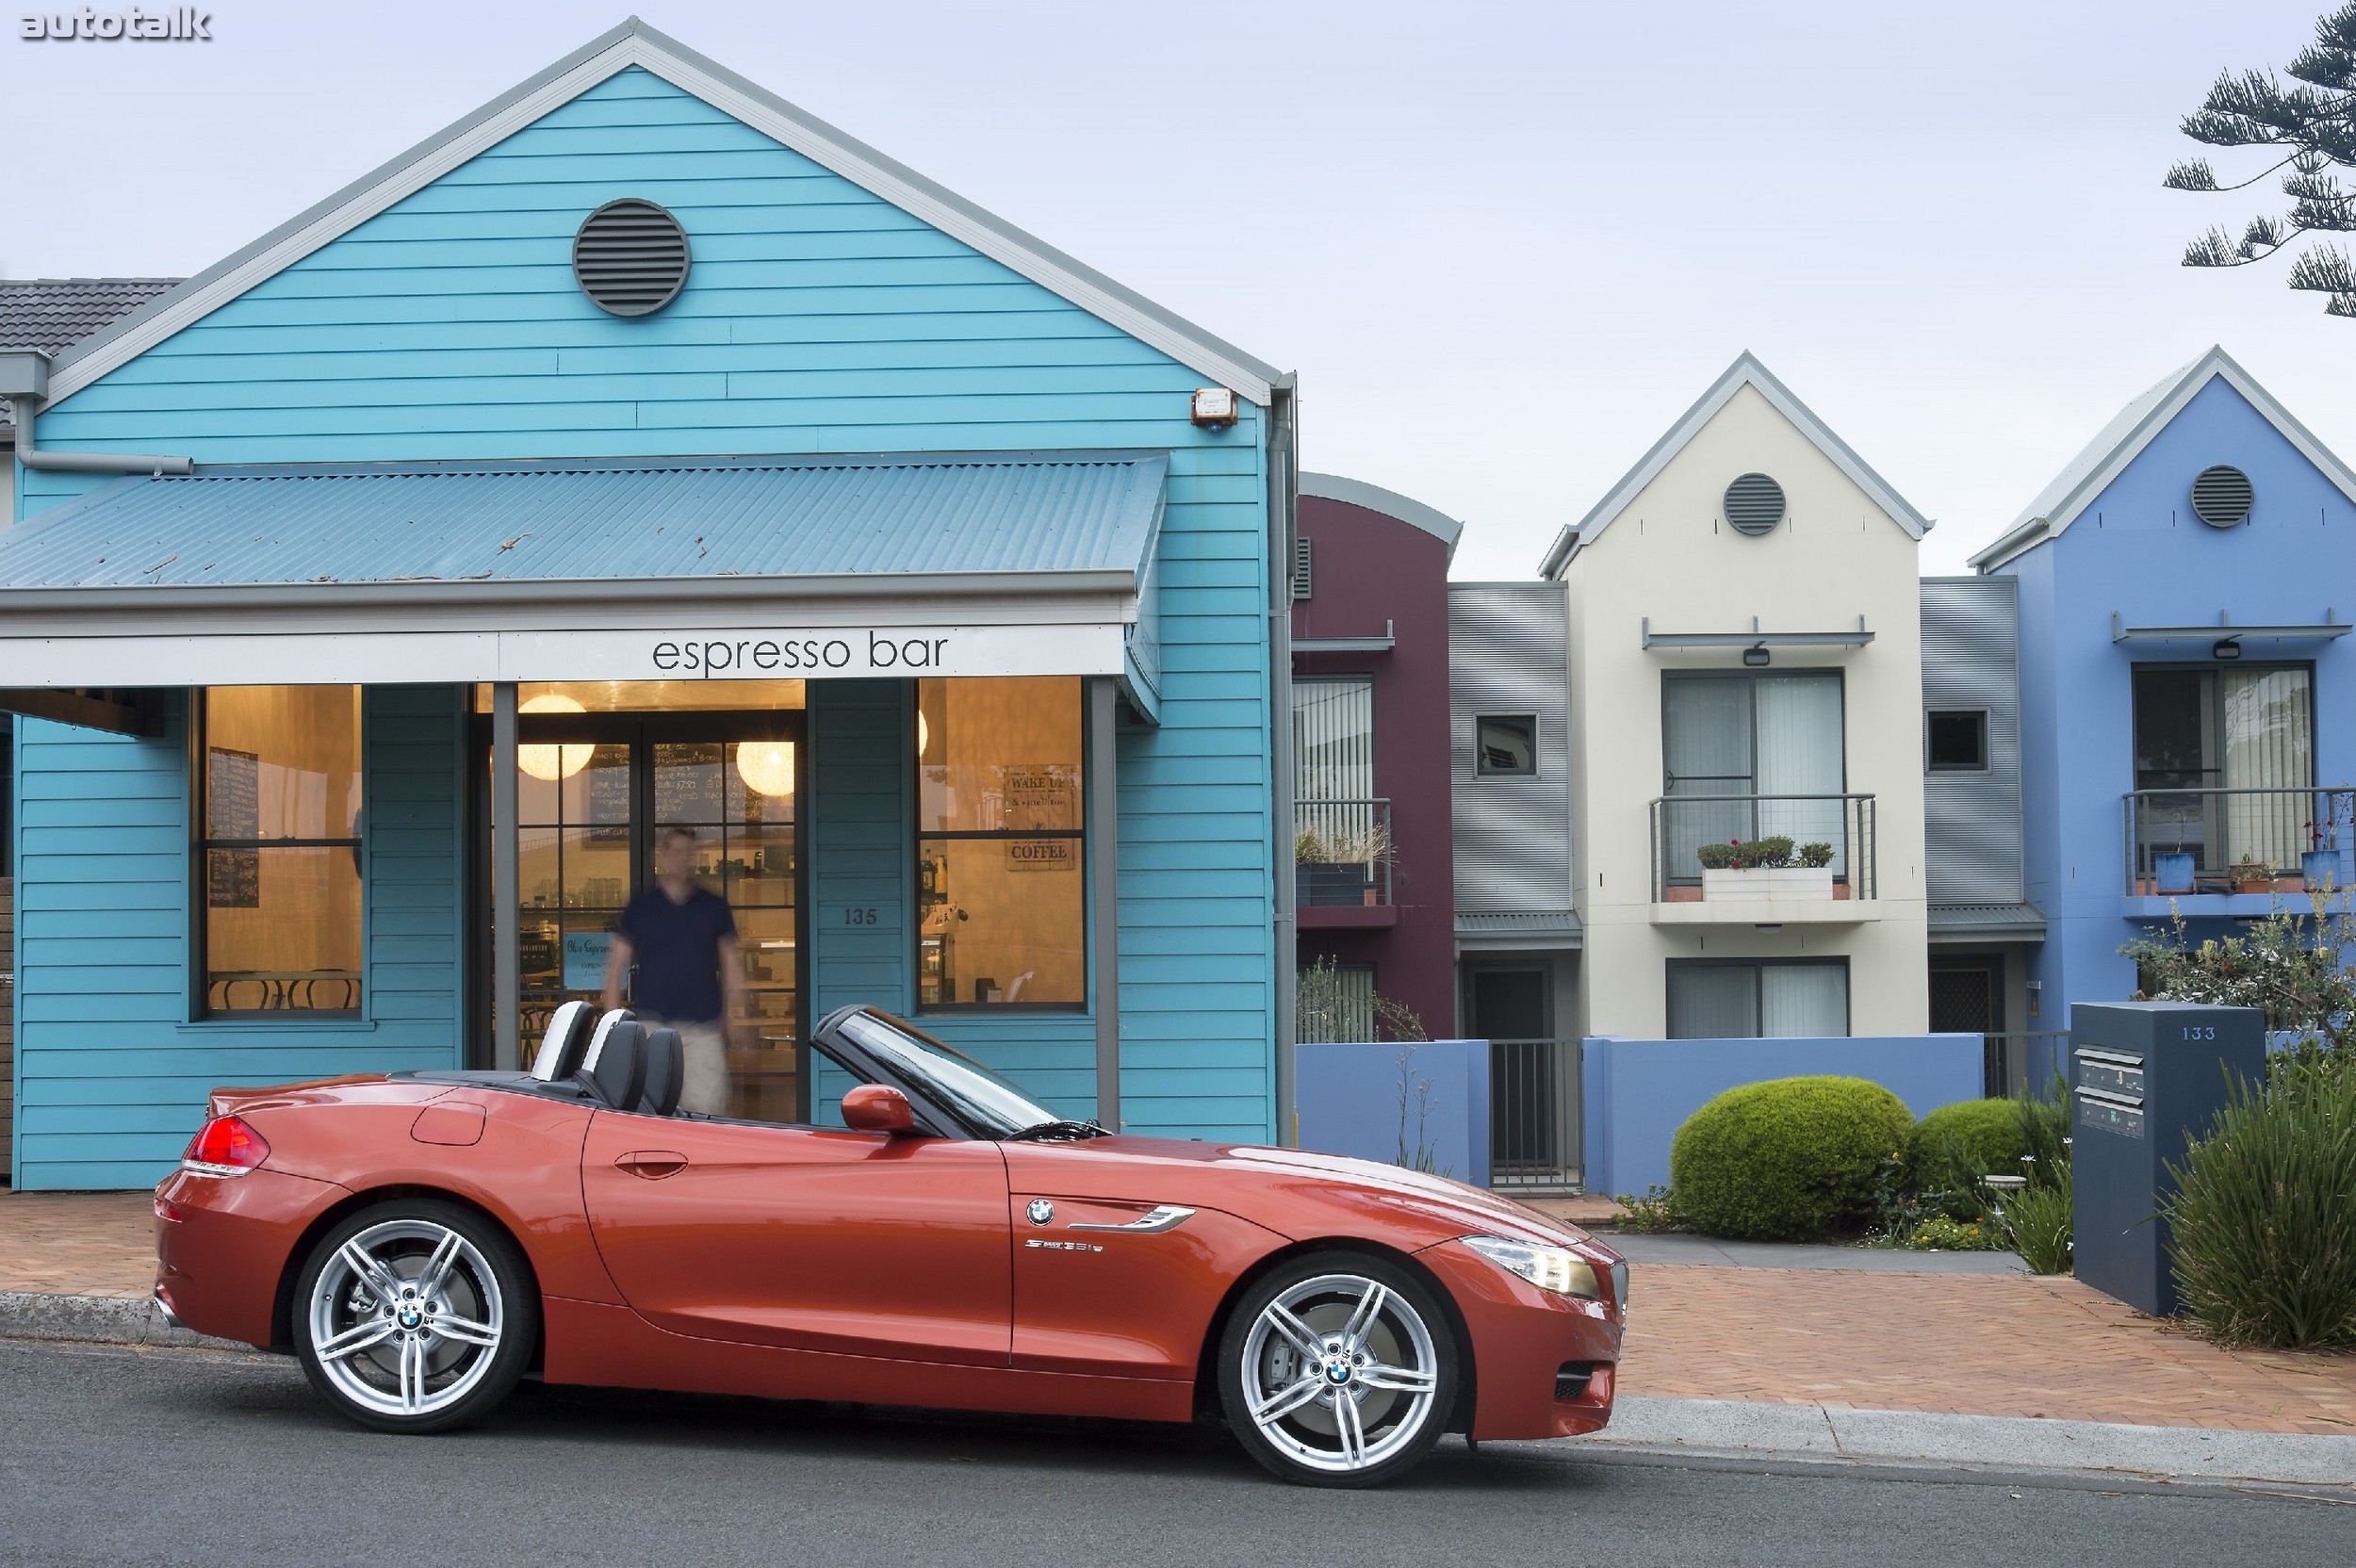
(966, 1100)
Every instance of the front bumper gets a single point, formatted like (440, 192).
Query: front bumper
(1527, 1346)
(222, 1244)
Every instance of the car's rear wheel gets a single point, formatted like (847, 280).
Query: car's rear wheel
(1338, 1369)
(414, 1315)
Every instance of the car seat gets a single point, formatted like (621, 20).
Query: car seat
(565, 1043)
(666, 1072)
(614, 1070)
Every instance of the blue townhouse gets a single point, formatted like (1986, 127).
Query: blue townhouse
(2189, 691)
(641, 454)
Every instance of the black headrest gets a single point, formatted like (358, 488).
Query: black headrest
(616, 1071)
(666, 1068)
(565, 1043)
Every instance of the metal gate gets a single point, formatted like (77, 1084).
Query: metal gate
(1535, 1123)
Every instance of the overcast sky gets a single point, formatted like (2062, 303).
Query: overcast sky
(1504, 245)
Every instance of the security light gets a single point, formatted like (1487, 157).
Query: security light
(1214, 406)
(1755, 657)
(2226, 648)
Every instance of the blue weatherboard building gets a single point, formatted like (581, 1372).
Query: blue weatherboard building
(641, 454)
(2188, 690)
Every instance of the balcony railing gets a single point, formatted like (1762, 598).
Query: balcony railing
(2226, 840)
(1341, 852)
(1681, 825)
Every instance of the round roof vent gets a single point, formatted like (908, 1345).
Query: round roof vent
(2221, 496)
(1754, 504)
(631, 258)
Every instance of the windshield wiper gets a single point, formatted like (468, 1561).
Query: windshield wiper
(1059, 1129)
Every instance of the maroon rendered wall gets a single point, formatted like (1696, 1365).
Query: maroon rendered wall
(1365, 569)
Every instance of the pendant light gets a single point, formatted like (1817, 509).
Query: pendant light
(551, 764)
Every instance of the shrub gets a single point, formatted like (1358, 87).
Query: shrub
(1757, 854)
(1816, 857)
(2037, 1222)
(1956, 1145)
(1940, 1233)
(1654, 1214)
(1785, 1160)
(2264, 1220)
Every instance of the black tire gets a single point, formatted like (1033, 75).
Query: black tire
(401, 1360)
(1398, 1373)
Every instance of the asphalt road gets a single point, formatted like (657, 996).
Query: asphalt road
(118, 1456)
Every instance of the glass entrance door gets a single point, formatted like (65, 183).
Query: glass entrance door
(594, 790)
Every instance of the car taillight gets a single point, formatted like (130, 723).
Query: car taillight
(224, 1147)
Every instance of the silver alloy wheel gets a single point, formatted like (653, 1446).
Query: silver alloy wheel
(406, 1318)
(1339, 1373)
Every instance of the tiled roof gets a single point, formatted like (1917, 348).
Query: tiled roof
(53, 314)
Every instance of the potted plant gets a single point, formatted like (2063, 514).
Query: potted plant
(1765, 868)
(1338, 868)
(2252, 877)
(2319, 864)
(2172, 869)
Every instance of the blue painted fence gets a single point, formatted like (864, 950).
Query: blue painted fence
(1350, 1099)
(1638, 1093)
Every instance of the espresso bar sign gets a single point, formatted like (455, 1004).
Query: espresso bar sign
(821, 653)
(179, 25)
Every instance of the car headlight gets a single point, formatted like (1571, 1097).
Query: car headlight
(1555, 1269)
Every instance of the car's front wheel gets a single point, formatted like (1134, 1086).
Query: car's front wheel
(1338, 1369)
(414, 1315)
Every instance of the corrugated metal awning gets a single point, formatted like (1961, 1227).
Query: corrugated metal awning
(538, 556)
(1518, 928)
(1957, 923)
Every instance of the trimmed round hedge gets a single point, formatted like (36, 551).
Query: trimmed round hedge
(1956, 1145)
(1785, 1160)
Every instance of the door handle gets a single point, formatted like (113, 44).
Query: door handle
(651, 1164)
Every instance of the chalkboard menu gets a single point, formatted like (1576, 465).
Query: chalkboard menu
(233, 809)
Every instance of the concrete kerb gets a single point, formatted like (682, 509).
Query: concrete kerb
(96, 1319)
(1731, 1428)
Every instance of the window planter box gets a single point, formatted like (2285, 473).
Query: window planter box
(1759, 886)
(1324, 883)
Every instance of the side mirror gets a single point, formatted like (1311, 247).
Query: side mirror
(878, 1108)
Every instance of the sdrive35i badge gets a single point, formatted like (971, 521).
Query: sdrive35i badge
(1040, 1211)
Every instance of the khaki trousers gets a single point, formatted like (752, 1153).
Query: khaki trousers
(705, 1088)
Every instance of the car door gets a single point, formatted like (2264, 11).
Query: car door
(814, 1238)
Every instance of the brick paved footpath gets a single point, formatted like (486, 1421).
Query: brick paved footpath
(1966, 1344)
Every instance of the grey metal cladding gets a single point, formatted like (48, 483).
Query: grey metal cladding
(1971, 659)
(1507, 653)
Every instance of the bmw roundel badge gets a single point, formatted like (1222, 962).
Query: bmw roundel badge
(1040, 1211)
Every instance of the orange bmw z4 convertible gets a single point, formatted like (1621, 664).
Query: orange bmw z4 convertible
(423, 1240)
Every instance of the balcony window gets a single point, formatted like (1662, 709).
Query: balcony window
(1772, 999)
(1002, 895)
(1751, 756)
(1956, 740)
(278, 873)
(2224, 763)
(1506, 745)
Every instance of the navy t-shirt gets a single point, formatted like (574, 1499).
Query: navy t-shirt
(677, 947)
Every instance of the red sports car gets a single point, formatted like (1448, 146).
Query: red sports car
(423, 1240)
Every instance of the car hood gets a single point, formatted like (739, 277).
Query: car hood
(1294, 1192)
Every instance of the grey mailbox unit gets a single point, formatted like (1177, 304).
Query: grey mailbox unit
(2146, 1077)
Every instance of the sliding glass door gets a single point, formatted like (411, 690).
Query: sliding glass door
(1769, 748)
(2231, 753)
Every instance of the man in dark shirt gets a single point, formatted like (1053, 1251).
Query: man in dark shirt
(682, 938)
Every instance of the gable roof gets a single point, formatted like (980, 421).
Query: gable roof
(2122, 440)
(1745, 371)
(634, 43)
(1389, 503)
(53, 314)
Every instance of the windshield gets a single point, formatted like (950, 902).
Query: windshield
(985, 1102)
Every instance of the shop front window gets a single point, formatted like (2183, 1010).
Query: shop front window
(278, 777)
(1002, 893)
